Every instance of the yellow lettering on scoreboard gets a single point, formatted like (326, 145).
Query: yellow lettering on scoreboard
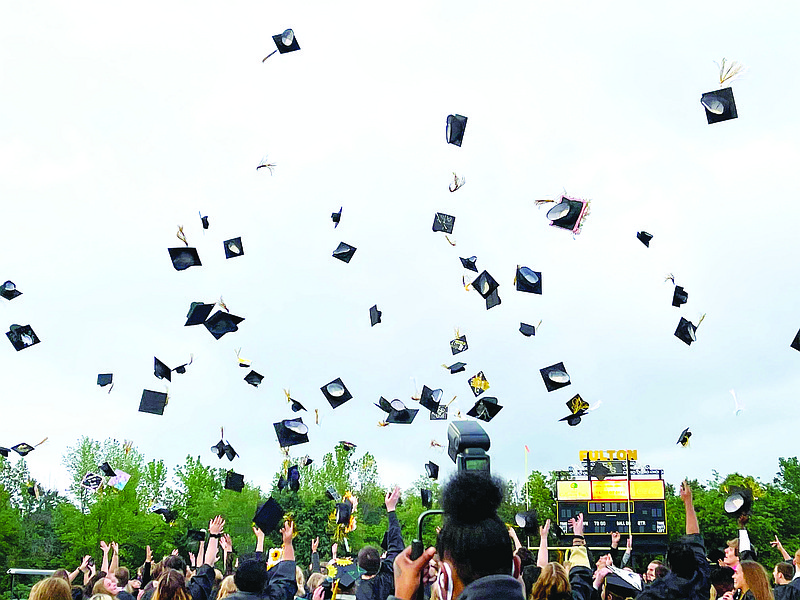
(608, 454)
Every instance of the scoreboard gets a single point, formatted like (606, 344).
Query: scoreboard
(636, 506)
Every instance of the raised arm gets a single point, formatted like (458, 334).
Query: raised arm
(542, 555)
(315, 555)
(692, 526)
(282, 582)
(259, 542)
(394, 537)
(105, 548)
(514, 538)
(114, 558)
(777, 544)
(214, 531)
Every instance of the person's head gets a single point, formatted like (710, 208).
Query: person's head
(553, 582)
(250, 576)
(783, 573)
(731, 553)
(530, 575)
(722, 580)
(752, 576)
(525, 557)
(301, 580)
(681, 559)
(52, 588)
(101, 597)
(156, 569)
(62, 573)
(176, 563)
(87, 589)
(171, 586)
(314, 581)
(796, 559)
(106, 585)
(123, 576)
(77, 592)
(369, 559)
(473, 541)
(661, 571)
(650, 574)
(226, 588)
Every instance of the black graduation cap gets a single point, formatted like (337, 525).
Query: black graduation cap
(221, 323)
(739, 501)
(432, 470)
(336, 393)
(230, 452)
(484, 284)
(234, 481)
(106, 469)
(222, 448)
(440, 414)
(578, 407)
(204, 221)
(22, 336)
(4, 452)
(679, 296)
(296, 406)
(644, 237)
(344, 252)
(153, 402)
(348, 446)
(305, 461)
(286, 42)
(459, 344)
(599, 471)
(478, 383)
(528, 280)
(196, 535)
(686, 332)
(181, 369)
(385, 405)
(492, 300)
(469, 263)
(374, 315)
(183, 258)
(719, 105)
(621, 584)
(455, 129)
(427, 498)
(332, 494)
(343, 512)
(169, 515)
(527, 330)
(796, 342)
(161, 370)
(485, 409)
(198, 313)
(291, 432)
(430, 399)
(336, 217)
(9, 291)
(443, 222)
(400, 414)
(555, 377)
(683, 438)
(23, 449)
(233, 247)
(268, 516)
(568, 214)
(91, 481)
(456, 367)
(105, 379)
(253, 378)
(347, 575)
(528, 521)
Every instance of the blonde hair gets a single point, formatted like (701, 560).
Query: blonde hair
(100, 588)
(101, 597)
(301, 580)
(226, 588)
(314, 581)
(552, 580)
(52, 588)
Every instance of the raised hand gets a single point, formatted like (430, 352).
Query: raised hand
(215, 525)
(287, 532)
(615, 537)
(577, 525)
(314, 545)
(392, 498)
(104, 547)
(544, 530)
(225, 542)
(148, 555)
(258, 532)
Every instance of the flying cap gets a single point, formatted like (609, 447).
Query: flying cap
(456, 367)
(198, 313)
(204, 220)
(221, 323)
(528, 280)
(796, 342)
(568, 214)
(253, 378)
(719, 105)
(336, 218)
(400, 414)
(23, 449)
(485, 409)
(644, 237)
(459, 344)
(286, 42)
(233, 247)
(9, 290)
(344, 252)
(153, 402)
(183, 258)
(679, 296)
(686, 331)
(469, 263)
(455, 129)
(555, 377)
(493, 300)
(527, 330)
(478, 383)
(161, 370)
(92, 481)
(440, 414)
(21, 337)
(443, 222)
(430, 399)
(336, 393)
(484, 284)
(169, 515)
(432, 470)
(291, 432)
(374, 315)
(683, 438)
(427, 498)
(106, 469)
(104, 379)
(234, 481)
(578, 408)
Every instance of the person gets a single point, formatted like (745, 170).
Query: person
(751, 579)
(731, 555)
(314, 581)
(795, 583)
(172, 586)
(650, 575)
(689, 576)
(300, 579)
(476, 552)
(226, 588)
(123, 576)
(555, 580)
(377, 581)
(782, 574)
(107, 585)
(52, 588)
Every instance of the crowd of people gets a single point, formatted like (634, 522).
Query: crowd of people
(476, 557)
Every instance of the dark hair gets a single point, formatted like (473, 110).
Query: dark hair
(473, 537)
(529, 575)
(123, 576)
(250, 576)
(661, 571)
(721, 579)
(87, 589)
(175, 562)
(369, 560)
(62, 573)
(786, 569)
(525, 557)
(171, 586)
(681, 559)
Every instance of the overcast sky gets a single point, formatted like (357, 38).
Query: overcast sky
(118, 123)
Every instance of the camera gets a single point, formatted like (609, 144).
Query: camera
(467, 446)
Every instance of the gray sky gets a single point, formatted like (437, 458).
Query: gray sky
(119, 123)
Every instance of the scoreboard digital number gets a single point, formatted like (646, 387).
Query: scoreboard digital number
(606, 507)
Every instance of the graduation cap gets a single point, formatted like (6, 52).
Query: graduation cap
(485, 409)
(456, 367)
(686, 331)
(440, 414)
(336, 217)
(198, 313)
(332, 494)
(268, 516)
(119, 480)
(291, 432)
(169, 515)
(492, 300)
(796, 342)
(455, 129)
(234, 481)
(104, 379)
(348, 446)
(719, 105)
(432, 470)
(296, 406)
(644, 237)
(336, 393)
(23, 449)
(427, 498)
(4, 452)
(344, 510)
(739, 501)
(374, 315)
(568, 214)
(443, 222)
(223, 448)
(484, 284)
(106, 469)
(459, 344)
(555, 376)
(183, 258)
(621, 584)
(161, 370)
(91, 481)
(599, 471)
(181, 369)
(253, 378)
(344, 252)
(527, 330)
(400, 414)
(679, 296)
(478, 383)
(233, 247)
(430, 399)
(222, 322)
(683, 438)
(469, 263)
(347, 575)
(578, 407)
(9, 291)
(527, 521)
(204, 220)
(153, 402)
(22, 336)
(286, 42)
(528, 280)
(197, 535)
(305, 461)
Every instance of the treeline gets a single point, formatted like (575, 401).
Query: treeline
(44, 529)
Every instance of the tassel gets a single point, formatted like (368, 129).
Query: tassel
(456, 183)
(700, 321)
(670, 277)
(449, 241)
(268, 55)
(541, 202)
(222, 305)
(734, 69)
(181, 236)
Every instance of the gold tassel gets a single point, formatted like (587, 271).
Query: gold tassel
(451, 401)
(181, 236)
(670, 277)
(540, 202)
(456, 183)
(40, 443)
(316, 415)
(222, 305)
(700, 321)
(382, 423)
(734, 69)
(449, 241)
